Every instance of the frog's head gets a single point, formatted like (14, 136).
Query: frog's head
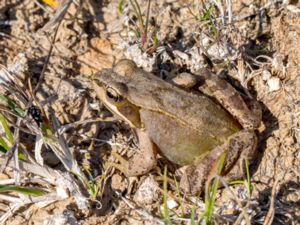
(111, 88)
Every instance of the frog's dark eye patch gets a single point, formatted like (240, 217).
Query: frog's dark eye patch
(113, 95)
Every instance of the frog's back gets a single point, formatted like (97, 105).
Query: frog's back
(197, 111)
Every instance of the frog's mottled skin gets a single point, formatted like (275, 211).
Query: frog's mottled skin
(187, 128)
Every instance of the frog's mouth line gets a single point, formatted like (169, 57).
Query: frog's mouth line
(101, 93)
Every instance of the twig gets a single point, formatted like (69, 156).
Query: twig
(229, 9)
(270, 215)
(41, 78)
(19, 203)
(243, 209)
(9, 198)
(66, 127)
(58, 16)
(46, 9)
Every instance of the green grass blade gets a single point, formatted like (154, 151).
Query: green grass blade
(22, 190)
(137, 11)
(179, 197)
(193, 214)
(250, 186)
(6, 129)
(165, 197)
(12, 105)
(138, 7)
(236, 182)
(121, 6)
(211, 196)
(241, 182)
(3, 145)
(207, 16)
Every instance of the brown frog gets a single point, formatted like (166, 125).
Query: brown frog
(189, 129)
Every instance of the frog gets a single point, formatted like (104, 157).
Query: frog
(192, 125)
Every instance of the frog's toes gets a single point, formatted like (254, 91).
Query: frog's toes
(193, 180)
(134, 166)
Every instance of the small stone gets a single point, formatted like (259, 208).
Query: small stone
(148, 192)
(172, 204)
(94, 105)
(118, 183)
(277, 62)
(217, 51)
(293, 9)
(274, 84)
(182, 55)
(266, 75)
(61, 192)
(66, 218)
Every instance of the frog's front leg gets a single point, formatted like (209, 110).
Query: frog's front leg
(238, 148)
(142, 162)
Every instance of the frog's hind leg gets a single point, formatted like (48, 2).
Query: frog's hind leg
(239, 147)
(142, 162)
(248, 115)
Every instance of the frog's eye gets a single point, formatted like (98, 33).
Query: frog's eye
(113, 95)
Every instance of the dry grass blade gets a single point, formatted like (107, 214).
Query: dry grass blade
(63, 181)
(271, 213)
(241, 205)
(8, 157)
(10, 198)
(14, 70)
(219, 5)
(11, 78)
(18, 203)
(58, 16)
(12, 209)
(60, 180)
(61, 149)
(46, 172)
(38, 149)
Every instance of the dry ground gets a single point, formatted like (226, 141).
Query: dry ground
(256, 44)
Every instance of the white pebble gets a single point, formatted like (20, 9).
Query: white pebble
(266, 75)
(181, 55)
(274, 84)
(171, 204)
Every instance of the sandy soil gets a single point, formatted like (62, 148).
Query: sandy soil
(257, 44)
